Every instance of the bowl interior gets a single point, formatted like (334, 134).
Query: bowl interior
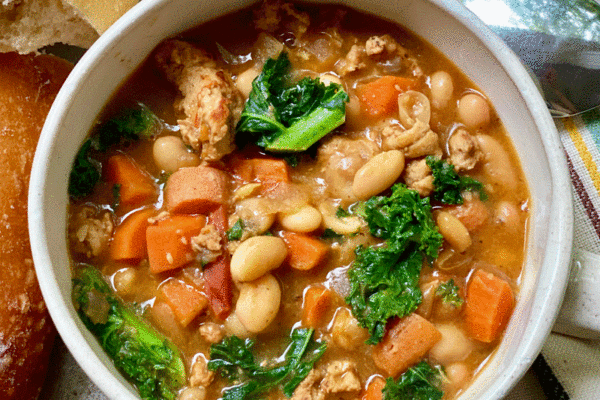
(449, 27)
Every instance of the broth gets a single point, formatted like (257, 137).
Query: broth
(336, 45)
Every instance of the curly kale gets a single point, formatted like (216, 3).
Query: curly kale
(385, 279)
(448, 185)
(287, 117)
(131, 125)
(418, 383)
(234, 360)
(144, 356)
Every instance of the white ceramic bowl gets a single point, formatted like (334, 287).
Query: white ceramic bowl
(449, 27)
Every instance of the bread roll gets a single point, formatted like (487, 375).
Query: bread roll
(28, 25)
(28, 85)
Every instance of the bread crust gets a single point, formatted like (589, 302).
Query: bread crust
(28, 25)
(28, 86)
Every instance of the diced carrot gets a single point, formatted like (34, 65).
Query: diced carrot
(317, 300)
(196, 190)
(405, 343)
(488, 306)
(136, 186)
(185, 300)
(271, 170)
(217, 275)
(304, 252)
(242, 168)
(129, 240)
(374, 389)
(380, 97)
(169, 242)
(261, 170)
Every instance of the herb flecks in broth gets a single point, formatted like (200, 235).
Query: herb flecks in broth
(286, 117)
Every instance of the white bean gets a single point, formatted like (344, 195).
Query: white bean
(244, 80)
(453, 231)
(458, 374)
(508, 215)
(258, 303)
(233, 326)
(170, 154)
(341, 226)
(345, 331)
(497, 163)
(353, 112)
(413, 106)
(441, 89)
(378, 174)
(256, 214)
(328, 79)
(453, 346)
(256, 256)
(428, 291)
(306, 219)
(124, 279)
(474, 110)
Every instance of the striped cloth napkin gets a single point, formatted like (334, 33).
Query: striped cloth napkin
(569, 367)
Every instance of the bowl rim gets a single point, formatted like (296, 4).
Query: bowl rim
(58, 307)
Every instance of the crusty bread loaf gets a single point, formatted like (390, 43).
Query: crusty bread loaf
(102, 14)
(28, 25)
(28, 86)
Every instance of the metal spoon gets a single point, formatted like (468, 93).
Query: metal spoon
(559, 42)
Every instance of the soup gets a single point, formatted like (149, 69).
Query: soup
(297, 201)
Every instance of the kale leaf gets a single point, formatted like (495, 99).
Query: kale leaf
(85, 172)
(418, 383)
(129, 126)
(448, 291)
(385, 279)
(449, 185)
(144, 356)
(234, 360)
(281, 116)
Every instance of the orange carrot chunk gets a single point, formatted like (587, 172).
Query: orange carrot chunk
(270, 170)
(261, 170)
(196, 190)
(185, 300)
(304, 252)
(488, 306)
(317, 300)
(405, 343)
(379, 98)
(129, 240)
(136, 186)
(169, 242)
(374, 389)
